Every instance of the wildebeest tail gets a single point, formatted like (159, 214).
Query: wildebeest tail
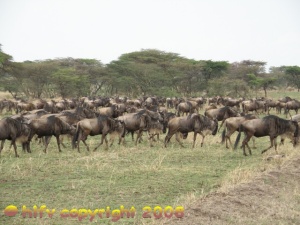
(238, 138)
(75, 137)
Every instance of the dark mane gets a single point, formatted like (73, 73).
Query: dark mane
(280, 125)
(140, 113)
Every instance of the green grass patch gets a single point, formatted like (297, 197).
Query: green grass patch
(122, 175)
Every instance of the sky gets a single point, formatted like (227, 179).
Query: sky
(218, 30)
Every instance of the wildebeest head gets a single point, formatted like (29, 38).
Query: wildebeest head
(205, 123)
(119, 126)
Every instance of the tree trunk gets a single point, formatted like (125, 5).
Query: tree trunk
(265, 90)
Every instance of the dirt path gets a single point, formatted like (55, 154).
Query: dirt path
(273, 198)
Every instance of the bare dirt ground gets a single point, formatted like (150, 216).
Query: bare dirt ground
(271, 198)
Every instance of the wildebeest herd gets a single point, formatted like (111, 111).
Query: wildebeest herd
(79, 118)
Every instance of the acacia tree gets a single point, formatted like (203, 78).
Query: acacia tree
(264, 82)
(146, 72)
(293, 75)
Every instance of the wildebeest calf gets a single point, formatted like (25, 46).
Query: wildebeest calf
(12, 129)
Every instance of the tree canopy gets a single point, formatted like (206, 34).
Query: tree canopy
(146, 72)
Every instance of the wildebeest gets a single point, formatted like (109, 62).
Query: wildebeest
(12, 129)
(196, 123)
(292, 105)
(270, 104)
(95, 126)
(23, 106)
(34, 114)
(232, 124)
(111, 111)
(187, 107)
(296, 118)
(155, 129)
(50, 126)
(166, 117)
(250, 105)
(71, 117)
(230, 102)
(221, 114)
(136, 122)
(271, 126)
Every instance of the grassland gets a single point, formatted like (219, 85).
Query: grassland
(128, 175)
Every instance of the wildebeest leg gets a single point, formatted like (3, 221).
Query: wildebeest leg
(139, 134)
(167, 138)
(151, 136)
(62, 141)
(132, 133)
(111, 139)
(221, 124)
(103, 137)
(2, 144)
(106, 141)
(273, 143)
(47, 141)
(227, 138)
(178, 139)
(253, 141)
(15, 147)
(194, 140)
(26, 146)
(245, 142)
(58, 143)
(203, 136)
(249, 149)
(87, 147)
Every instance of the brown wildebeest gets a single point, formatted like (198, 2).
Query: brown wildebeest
(111, 111)
(296, 118)
(280, 105)
(155, 129)
(270, 103)
(79, 112)
(33, 114)
(200, 101)
(50, 126)
(9, 105)
(196, 123)
(292, 105)
(250, 105)
(12, 129)
(169, 103)
(62, 105)
(230, 102)
(72, 117)
(271, 126)
(23, 106)
(221, 114)
(232, 124)
(187, 107)
(166, 118)
(50, 106)
(95, 126)
(139, 122)
(214, 100)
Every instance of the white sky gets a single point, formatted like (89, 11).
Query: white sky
(229, 30)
